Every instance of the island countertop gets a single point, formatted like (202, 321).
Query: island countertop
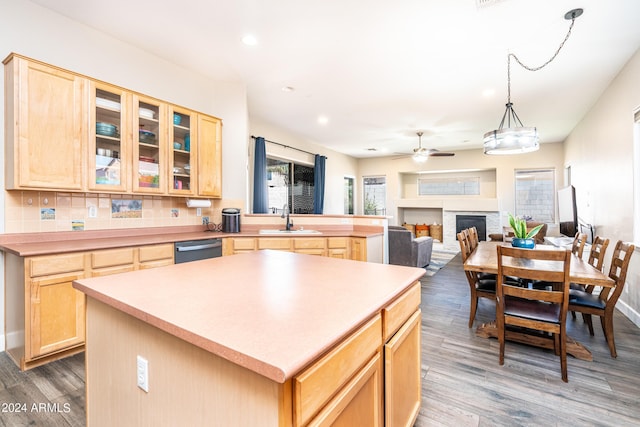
(268, 311)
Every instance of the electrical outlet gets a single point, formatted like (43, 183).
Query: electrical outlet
(143, 373)
(205, 220)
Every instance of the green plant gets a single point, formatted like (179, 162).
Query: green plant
(519, 226)
(370, 205)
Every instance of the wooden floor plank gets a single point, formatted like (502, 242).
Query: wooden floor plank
(464, 373)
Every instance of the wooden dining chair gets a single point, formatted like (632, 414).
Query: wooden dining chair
(596, 260)
(473, 238)
(603, 303)
(577, 247)
(529, 307)
(479, 288)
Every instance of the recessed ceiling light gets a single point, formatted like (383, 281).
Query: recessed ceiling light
(250, 40)
(488, 93)
(288, 89)
(323, 120)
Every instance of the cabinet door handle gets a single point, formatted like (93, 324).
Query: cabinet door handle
(197, 247)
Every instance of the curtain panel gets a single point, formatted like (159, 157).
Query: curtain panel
(260, 191)
(318, 184)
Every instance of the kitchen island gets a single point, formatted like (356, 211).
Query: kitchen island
(262, 338)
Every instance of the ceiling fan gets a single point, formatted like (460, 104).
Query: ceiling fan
(421, 154)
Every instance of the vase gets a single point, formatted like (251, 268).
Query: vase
(523, 243)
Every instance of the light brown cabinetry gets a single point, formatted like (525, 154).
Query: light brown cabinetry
(402, 365)
(149, 145)
(238, 245)
(348, 380)
(112, 261)
(368, 377)
(275, 243)
(335, 247)
(359, 249)
(70, 132)
(152, 256)
(383, 386)
(109, 138)
(338, 247)
(183, 146)
(209, 170)
(45, 122)
(56, 310)
(310, 245)
(45, 315)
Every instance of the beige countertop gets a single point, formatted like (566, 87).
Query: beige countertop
(33, 244)
(271, 312)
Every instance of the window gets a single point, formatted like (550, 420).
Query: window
(289, 184)
(348, 195)
(375, 195)
(535, 194)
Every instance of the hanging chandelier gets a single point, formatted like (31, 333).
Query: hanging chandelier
(515, 138)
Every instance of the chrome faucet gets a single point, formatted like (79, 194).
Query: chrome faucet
(285, 212)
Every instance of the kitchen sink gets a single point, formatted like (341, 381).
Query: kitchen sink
(299, 231)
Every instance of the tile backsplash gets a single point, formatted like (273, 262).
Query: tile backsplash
(34, 211)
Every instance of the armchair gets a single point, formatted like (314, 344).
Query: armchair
(407, 250)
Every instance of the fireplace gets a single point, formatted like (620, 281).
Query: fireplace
(468, 221)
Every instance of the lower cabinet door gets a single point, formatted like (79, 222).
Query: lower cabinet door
(402, 373)
(342, 253)
(57, 315)
(359, 402)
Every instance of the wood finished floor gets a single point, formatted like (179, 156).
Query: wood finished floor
(462, 385)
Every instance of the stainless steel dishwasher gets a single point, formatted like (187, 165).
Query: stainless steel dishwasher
(194, 250)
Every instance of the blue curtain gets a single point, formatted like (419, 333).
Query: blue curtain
(318, 184)
(260, 195)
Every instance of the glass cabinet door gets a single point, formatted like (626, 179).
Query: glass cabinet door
(149, 145)
(182, 146)
(108, 145)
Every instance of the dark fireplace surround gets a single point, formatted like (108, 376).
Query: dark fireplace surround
(468, 221)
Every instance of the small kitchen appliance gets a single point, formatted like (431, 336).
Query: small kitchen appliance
(230, 220)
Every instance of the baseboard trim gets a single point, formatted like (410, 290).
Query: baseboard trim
(628, 311)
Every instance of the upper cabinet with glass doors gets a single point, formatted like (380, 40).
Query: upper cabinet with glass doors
(183, 140)
(109, 145)
(149, 145)
(69, 132)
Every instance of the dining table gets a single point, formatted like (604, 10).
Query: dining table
(484, 259)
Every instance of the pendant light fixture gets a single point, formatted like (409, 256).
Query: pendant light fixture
(516, 138)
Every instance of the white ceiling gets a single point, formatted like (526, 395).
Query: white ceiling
(381, 70)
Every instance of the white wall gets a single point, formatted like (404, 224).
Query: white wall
(337, 165)
(36, 32)
(599, 151)
(549, 156)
